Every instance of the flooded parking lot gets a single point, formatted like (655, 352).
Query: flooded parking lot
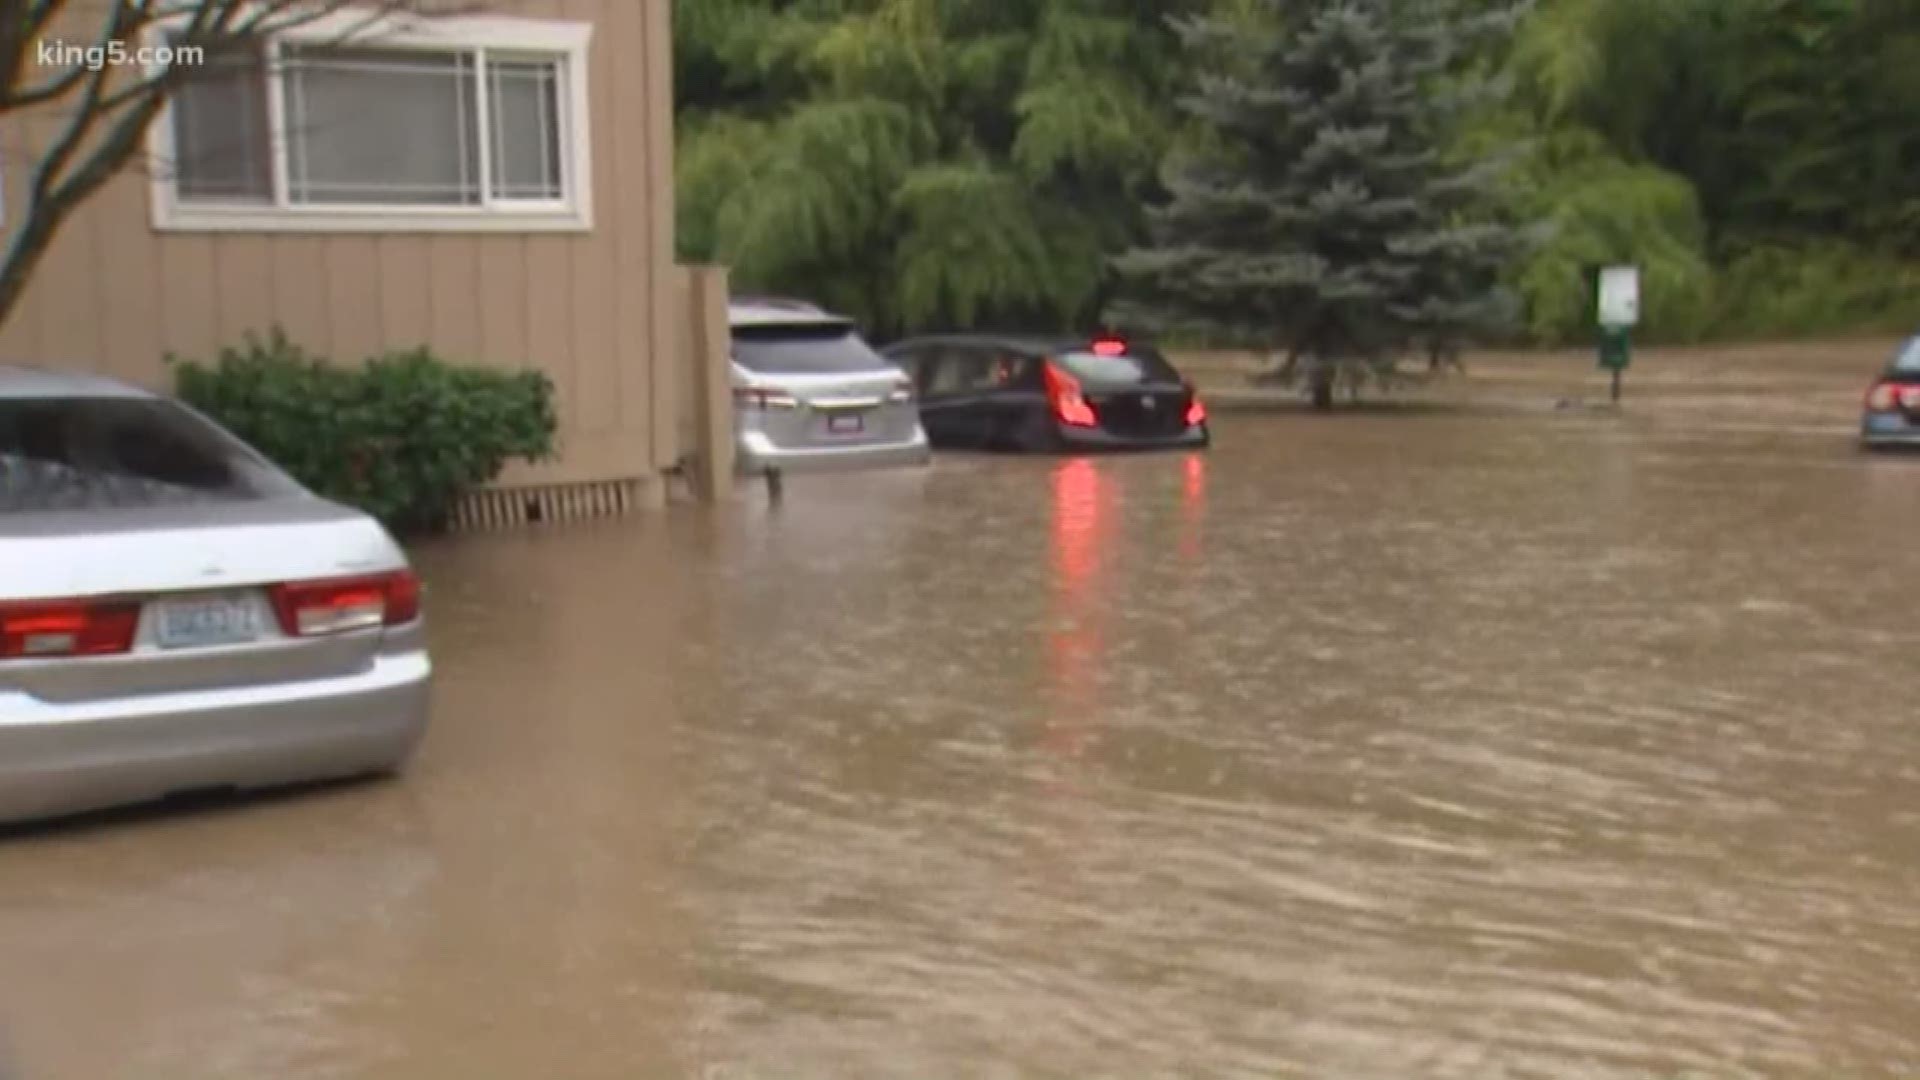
(1366, 746)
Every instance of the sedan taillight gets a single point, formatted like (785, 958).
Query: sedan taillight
(1887, 396)
(53, 628)
(340, 605)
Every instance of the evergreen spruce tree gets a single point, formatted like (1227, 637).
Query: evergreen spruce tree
(1324, 210)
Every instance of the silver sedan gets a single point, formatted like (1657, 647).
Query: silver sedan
(177, 615)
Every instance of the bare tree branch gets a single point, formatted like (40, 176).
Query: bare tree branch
(20, 23)
(55, 87)
(102, 132)
(88, 114)
(18, 31)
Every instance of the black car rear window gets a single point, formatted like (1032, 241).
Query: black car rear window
(1128, 369)
(95, 453)
(1908, 360)
(804, 349)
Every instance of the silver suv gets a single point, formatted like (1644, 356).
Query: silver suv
(810, 393)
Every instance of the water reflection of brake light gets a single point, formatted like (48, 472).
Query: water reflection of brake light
(1193, 506)
(1074, 645)
(1063, 390)
(1076, 523)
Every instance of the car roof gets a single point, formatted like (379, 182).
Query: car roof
(19, 381)
(1032, 344)
(778, 311)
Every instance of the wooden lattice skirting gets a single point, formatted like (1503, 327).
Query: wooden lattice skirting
(506, 508)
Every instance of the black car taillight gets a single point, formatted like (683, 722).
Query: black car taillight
(1196, 411)
(1069, 404)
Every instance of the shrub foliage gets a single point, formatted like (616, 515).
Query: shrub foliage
(401, 436)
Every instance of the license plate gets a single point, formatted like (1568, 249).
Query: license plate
(846, 425)
(189, 624)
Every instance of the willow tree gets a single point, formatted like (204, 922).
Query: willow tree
(921, 162)
(1734, 149)
(1325, 212)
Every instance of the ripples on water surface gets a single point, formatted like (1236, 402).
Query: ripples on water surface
(1370, 747)
(1379, 748)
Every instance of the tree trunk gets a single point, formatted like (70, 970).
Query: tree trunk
(1323, 374)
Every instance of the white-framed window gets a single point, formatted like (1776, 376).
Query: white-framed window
(441, 125)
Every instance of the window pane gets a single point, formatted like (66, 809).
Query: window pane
(807, 348)
(1009, 371)
(526, 129)
(956, 371)
(221, 137)
(381, 126)
(1139, 366)
(1909, 358)
(120, 453)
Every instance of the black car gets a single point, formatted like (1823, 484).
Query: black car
(989, 391)
(1892, 413)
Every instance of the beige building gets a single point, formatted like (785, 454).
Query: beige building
(498, 187)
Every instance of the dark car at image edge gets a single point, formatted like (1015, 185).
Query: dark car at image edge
(1011, 392)
(1891, 415)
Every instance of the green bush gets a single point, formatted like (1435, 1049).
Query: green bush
(401, 436)
(1603, 209)
(1804, 290)
(1757, 292)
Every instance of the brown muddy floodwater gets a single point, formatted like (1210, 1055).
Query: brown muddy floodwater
(1474, 746)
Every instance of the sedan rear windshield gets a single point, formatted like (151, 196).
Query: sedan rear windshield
(1908, 362)
(1129, 369)
(92, 453)
(804, 349)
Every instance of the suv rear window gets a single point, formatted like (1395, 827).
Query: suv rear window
(804, 349)
(1128, 369)
(1908, 360)
(86, 453)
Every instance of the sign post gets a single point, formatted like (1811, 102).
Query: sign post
(1618, 309)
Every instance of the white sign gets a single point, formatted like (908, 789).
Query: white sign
(1620, 296)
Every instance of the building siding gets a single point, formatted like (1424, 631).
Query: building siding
(595, 310)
